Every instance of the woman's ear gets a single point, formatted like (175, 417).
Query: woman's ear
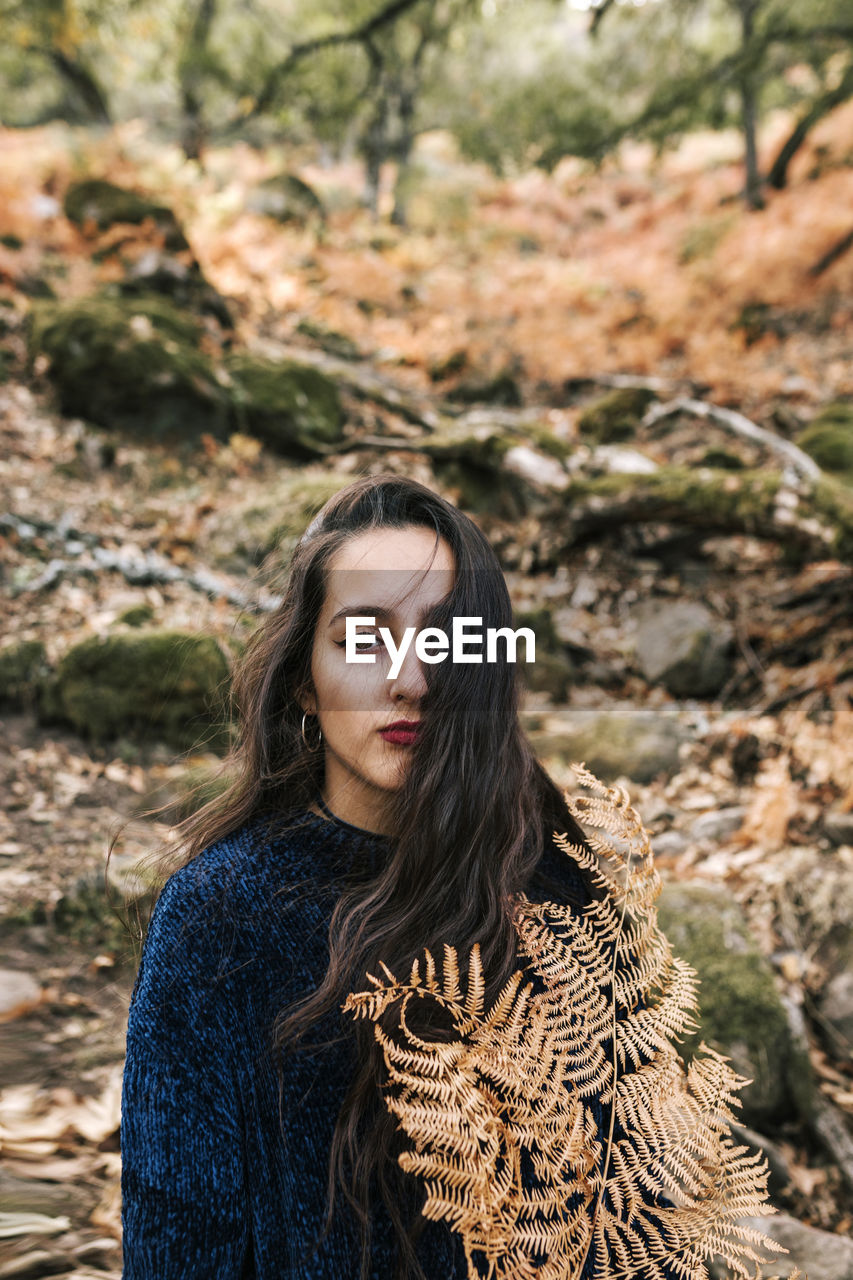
(308, 702)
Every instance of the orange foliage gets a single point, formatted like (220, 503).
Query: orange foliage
(644, 267)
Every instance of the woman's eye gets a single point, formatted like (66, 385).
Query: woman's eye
(363, 638)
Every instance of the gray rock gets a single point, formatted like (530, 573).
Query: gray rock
(836, 1005)
(820, 1255)
(616, 460)
(839, 827)
(536, 468)
(669, 844)
(683, 646)
(717, 824)
(19, 992)
(741, 1014)
(635, 744)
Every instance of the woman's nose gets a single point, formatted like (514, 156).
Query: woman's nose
(410, 681)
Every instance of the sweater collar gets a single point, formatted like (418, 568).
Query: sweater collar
(342, 823)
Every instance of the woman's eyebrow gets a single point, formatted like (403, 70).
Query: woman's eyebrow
(372, 611)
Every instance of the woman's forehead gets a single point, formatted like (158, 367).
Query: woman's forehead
(407, 550)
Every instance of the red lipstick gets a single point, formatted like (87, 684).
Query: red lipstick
(402, 732)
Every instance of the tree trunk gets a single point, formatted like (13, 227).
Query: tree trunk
(752, 188)
(403, 152)
(749, 112)
(84, 85)
(194, 126)
(778, 175)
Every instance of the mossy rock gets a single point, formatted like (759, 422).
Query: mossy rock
(183, 283)
(741, 1014)
(293, 408)
(552, 671)
(165, 685)
(23, 666)
(132, 365)
(138, 615)
(481, 444)
(829, 440)
(286, 198)
(616, 416)
(502, 389)
(469, 457)
(617, 743)
(330, 340)
(105, 204)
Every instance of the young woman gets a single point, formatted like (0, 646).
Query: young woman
(377, 810)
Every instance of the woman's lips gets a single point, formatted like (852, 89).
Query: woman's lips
(400, 737)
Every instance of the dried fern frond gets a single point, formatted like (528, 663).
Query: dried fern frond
(557, 1131)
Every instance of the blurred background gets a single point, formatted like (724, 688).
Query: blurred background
(588, 272)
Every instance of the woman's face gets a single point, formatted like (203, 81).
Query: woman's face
(379, 574)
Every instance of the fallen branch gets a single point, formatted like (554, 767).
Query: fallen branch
(84, 554)
(814, 518)
(741, 426)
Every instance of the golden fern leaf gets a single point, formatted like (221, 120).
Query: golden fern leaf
(558, 1131)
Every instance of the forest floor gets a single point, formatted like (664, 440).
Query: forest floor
(650, 269)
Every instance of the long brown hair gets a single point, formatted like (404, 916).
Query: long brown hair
(466, 829)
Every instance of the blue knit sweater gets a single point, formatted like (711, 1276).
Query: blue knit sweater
(211, 1187)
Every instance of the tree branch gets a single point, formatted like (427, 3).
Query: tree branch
(390, 12)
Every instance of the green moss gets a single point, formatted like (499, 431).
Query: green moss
(158, 684)
(293, 408)
(22, 668)
(132, 364)
(337, 344)
(137, 615)
(543, 439)
(104, 203)
(723, 459)
(616, 416)
(833, 500)
(736, 503)
(502, 389)
(829, 440)
(741, 1014)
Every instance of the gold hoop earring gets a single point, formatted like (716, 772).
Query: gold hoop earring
(305, 740)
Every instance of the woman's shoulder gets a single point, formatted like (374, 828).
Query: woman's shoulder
(236, 870)
(219, 905)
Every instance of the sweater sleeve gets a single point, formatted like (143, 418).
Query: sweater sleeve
(184, 1211)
